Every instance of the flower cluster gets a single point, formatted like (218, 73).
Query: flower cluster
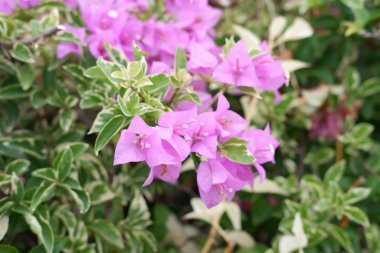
(8, 6)
(190, 128)
(179, 133)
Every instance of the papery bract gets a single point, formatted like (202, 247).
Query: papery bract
(238, 68)
(65, 48)
(28, 3)
(269, 71)
(229, 123)
(215, 182)
(7, 6)
(141, 142)
(201, 61)
(204, 138)
(262, 146)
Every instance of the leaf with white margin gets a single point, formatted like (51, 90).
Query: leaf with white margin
(292, 65)
(201, 212)
(4, 222)
(234, 214)
(276, 27)
(267, 186)
(241, 238)
(252, 41)
(290, 243)
(300, 29)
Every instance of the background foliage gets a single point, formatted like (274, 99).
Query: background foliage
(58, 120)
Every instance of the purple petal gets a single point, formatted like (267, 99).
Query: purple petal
(126, 151)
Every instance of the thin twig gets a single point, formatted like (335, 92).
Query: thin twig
(210, 240)
(215, 98)
(339, 150)
(30, 40)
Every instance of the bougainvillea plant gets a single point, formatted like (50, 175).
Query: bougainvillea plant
(118, 117)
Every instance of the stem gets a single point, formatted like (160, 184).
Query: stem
(173, 97)
(215, 98)
(210, 240)
(30, 40)
(339, 150)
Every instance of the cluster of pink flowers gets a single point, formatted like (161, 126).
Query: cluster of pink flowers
(179, 133)
(190, 128)
(8, 6)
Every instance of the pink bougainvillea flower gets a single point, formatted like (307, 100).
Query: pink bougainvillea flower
(262, 146)
(27, 3)
(238, 68)
(215, 182)
(204, 135)
(103, 15)
(141, 142)
(229, 123)
(97, 41)
(196, 16)
(181, 122)
(168, 172)
(71, 3)
(136, 4)
(269, 71)
(161, 40)
(132, 31)
(241, 172)
(7, 6)
(65, 48)
(201, 61)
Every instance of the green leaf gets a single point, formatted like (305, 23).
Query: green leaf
(362, 131)
(356, 194)
(66, 118)
(236, 150)
(81, 198)
(94, 72)
(8, 249)
(137, 69)
(111, 129)
(129, 104)
(108, 68)
(108, 232)
(68, 37)
(351, 78)
(43, 193)
(5, 206)
(160, 84)
(38, 98)
(18, 166)
(91, 100)
(22, 53)
(11, 92)
(78, 148)
(100, 193)
(64, 163)
(320, 156)
(25, 75)
(193, 97)
(339, 235)
(356, 215)
(335, 173)
(101, 119)
(41, 228)
(180, 59)
(369, 87)
(17, 189)
(45, 173)
(5, 179)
